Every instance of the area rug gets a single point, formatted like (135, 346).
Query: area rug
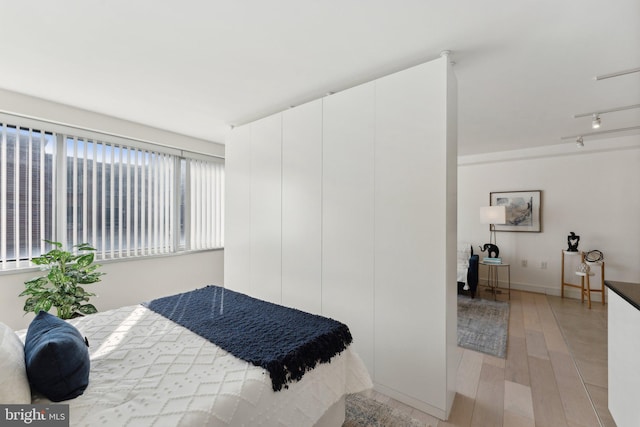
(362, 411)
(483, 325)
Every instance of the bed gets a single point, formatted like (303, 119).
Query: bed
(149, 370)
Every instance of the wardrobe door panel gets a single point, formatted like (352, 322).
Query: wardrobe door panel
(266, 212)
(302, 207)
(411, 233)
(347, 213)
(237, 224)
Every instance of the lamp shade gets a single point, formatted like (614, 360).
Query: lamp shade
(493, 215)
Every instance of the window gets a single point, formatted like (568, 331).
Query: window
(118, 198)
(123, 197)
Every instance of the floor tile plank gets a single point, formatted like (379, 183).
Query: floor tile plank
(547, 406)
(536, 345)
(469, 373)
(517, 365)
(461, 412)
(489, 406)
(530, 312)
(577, 406)
(517, 399)
(516, 420)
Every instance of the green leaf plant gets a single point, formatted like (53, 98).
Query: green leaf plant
(60, 288)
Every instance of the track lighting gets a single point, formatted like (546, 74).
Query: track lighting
(607, 110)
(596, 123)
(632, 130)
(579, 142)
(617, 74)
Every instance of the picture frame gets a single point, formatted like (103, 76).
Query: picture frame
(523, 210)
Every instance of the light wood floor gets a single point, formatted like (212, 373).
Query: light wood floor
(555, 373)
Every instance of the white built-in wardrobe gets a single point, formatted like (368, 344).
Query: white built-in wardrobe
(346, 207)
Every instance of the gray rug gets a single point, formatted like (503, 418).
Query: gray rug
(362, 411)
(483, 325)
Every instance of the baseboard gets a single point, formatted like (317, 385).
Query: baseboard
(541, 289)
(573, 293)
(411, 401)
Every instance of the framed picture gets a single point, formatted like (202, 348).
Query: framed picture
(523, 210)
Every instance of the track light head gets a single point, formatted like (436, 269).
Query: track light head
(580, 142)
(595, 124)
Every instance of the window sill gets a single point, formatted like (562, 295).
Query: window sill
(34, 268)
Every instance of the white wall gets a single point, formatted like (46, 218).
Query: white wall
(131, 281)
(126, 282)
(593, 191)
(36, 108)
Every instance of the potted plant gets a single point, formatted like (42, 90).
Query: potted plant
(60, 287)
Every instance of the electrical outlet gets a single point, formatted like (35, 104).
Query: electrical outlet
(524, 262)
(543, 265)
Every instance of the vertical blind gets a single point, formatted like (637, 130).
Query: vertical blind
(124, 200)
(26, 185)
(119, 199)
(207, 209)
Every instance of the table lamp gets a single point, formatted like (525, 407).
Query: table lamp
(493, 215)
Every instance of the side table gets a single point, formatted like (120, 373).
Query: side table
(492, 276)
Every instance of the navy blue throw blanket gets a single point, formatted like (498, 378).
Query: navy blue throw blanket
(284, 341)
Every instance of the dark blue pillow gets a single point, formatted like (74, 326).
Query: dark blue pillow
(56, 357)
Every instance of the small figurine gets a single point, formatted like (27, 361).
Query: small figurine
(573, 240)
(492, 250)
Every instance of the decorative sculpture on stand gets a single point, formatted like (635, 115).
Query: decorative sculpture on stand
(573, 240)
(492, 250)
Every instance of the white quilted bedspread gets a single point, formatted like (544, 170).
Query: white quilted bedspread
(148, 371)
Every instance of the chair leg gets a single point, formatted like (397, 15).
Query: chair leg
(582, 289)
(588, 291)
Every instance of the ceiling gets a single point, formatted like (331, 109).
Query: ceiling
(524, 68)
